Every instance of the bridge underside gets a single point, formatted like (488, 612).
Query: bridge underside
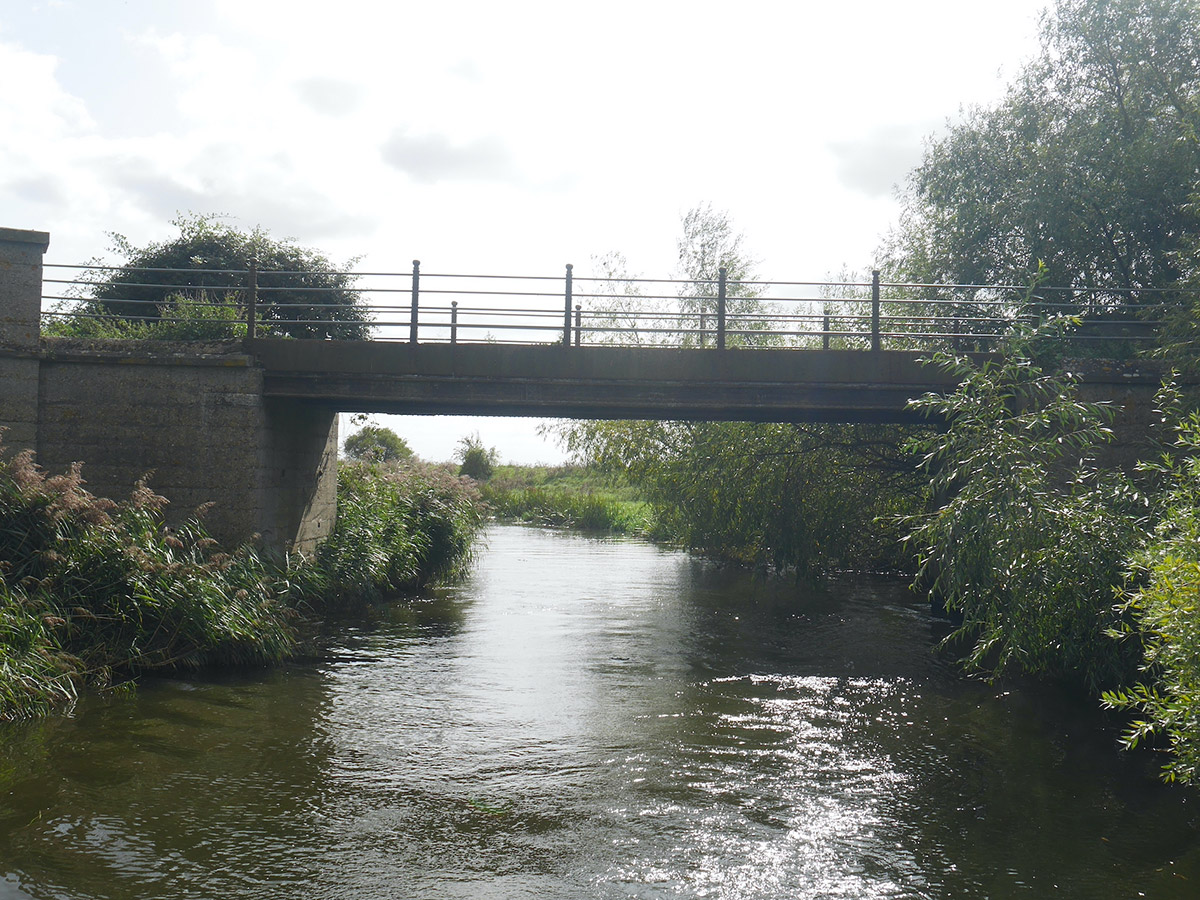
(598, 382)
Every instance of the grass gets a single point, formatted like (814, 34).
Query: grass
(568, 497)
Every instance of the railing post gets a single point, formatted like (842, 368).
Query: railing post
(875, 341)
(567, 314)
(453, 321)
(578, 322)
(721, 309)
(252, 300)
(825, 329)
(416, 292)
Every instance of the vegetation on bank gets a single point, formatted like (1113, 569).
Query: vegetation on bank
(194, 287)
(97, 593)
(568, 497)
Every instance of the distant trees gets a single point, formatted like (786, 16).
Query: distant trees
(374, 443)
(807, 497)
(475, 460)
(302, 294)
(1088, 164)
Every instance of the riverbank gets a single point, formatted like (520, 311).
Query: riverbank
(577, 497)
(98, 593)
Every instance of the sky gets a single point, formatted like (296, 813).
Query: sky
(506, 138)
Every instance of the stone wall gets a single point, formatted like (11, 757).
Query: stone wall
(194, 421)
(193, 418)
(20, 306)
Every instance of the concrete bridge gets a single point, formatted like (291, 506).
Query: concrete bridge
(252, 426)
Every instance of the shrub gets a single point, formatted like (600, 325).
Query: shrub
(399, 528)
(98, 591)
(1164, 602)
(372, 443)
(1030, 538)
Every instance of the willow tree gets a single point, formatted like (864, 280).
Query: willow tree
(1086, 165)
(806, 497)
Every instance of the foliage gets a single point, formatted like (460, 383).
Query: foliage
(301, 293)
(400, 526)
(476, 461)
(1086, 165)
(179, 318)
(568, 497)
(95, 591)
(619, 311)
(1164, 603)
(805, 497)
(1030, 538)
(373, 443)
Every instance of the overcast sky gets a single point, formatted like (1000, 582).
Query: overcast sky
(488, 137)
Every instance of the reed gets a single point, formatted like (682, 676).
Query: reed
(97, 593)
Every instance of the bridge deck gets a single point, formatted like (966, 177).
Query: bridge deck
(599, 382)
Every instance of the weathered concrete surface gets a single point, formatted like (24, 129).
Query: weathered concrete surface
(20, 309)
(195, 421)
(629, 382)
(599, 382)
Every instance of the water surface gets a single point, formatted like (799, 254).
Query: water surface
(593, 718)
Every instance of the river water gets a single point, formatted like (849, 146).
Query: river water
(595, 718)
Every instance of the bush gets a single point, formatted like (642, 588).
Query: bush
(375, 444)
(301, 293)
(399, 528)
(95, 591)
(1164, 602)
(477, 461)
(177, 318)
(1030, 538)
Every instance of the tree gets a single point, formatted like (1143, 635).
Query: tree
(808, 497)
(373, 443)
(477, 461)
(301, 293)
(805, 497)
(1086, 165)
(1031, 537)
(707, 244)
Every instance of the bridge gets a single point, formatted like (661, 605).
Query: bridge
(251, 424)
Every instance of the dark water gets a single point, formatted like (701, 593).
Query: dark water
(586, 718)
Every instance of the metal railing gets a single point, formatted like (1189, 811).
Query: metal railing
(572, 311)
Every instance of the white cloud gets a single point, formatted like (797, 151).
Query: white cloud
(878, 162)
(330, 96)
(430, 158)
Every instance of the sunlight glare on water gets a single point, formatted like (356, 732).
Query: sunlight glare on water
(594, 718)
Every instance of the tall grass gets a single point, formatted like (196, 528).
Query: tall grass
(400, 526)
(567, 497)
(96, 593)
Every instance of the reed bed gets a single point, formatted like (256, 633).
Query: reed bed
(96, 593)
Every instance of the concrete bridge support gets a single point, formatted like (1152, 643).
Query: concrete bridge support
(193, 418)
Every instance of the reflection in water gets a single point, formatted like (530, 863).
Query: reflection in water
(587, 718)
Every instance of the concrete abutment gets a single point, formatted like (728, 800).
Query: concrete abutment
(192, 419)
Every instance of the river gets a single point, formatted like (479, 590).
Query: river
(595, 718)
